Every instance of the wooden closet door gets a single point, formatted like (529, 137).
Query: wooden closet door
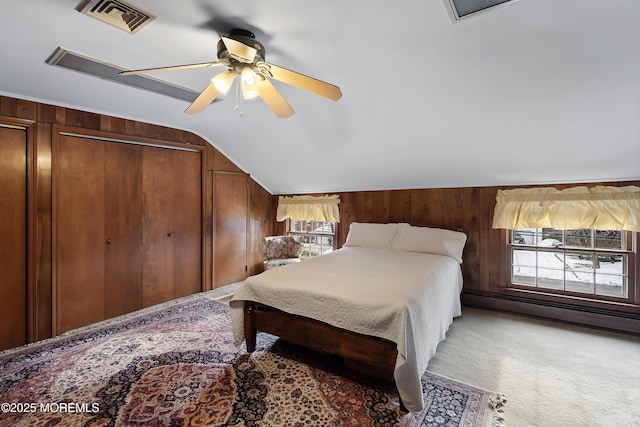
(231, 213)
(13, 237)
(78, 232)
(172, 187)
(123, 228)
(187, 223)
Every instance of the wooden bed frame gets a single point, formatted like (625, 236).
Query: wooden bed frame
(372, 356)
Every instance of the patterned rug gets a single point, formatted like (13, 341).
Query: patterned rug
(176, 365)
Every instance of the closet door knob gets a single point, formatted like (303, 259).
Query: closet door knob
(170, 234)
(108, 241)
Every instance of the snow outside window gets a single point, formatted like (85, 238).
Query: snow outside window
(581, 262)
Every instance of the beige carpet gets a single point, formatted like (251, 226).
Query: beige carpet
(553, 374)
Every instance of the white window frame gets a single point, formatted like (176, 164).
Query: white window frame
(533, 244)
(309, 236)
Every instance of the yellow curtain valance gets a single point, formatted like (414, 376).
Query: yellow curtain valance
(600, 208)
(308, 208)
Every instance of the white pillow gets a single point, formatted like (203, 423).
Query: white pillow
(370, 235)
(430, 240)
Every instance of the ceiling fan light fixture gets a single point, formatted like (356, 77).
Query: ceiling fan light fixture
(244, 57)
(223, 81)
(250, 83)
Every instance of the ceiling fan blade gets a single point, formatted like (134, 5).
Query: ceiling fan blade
(240, 50)
(205, 98)
(300, 80)
(219, 84)
(274, 99)
(174, 67)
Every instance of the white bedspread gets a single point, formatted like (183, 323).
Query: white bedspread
(406, 297)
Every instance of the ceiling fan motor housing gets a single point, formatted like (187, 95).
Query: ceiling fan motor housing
(245, 37)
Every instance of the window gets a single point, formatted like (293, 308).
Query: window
(318, 237)
(583, 262)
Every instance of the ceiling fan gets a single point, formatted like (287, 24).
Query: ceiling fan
(244, 56)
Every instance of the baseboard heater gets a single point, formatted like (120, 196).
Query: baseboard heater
(586, 316)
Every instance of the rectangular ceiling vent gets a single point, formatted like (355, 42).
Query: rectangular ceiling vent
(117, 13)
(462, 9)
(73, 61)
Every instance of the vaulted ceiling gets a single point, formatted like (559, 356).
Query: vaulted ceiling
(536, 91)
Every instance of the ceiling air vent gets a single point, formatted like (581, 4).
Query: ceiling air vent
(462, 9)
(117, 13)
(73, 61)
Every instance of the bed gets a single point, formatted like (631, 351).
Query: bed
(384, 300)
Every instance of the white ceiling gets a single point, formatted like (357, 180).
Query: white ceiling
(537, 91)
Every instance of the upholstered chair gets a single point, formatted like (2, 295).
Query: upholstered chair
(281, 250)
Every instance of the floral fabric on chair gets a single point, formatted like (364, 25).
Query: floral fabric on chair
(281, 250)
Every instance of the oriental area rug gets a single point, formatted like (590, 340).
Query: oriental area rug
(176, 365)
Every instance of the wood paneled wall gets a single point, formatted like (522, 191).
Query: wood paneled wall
(484, 268)
(44, 117)
(262, 206)
(51, 114)
(466, 209)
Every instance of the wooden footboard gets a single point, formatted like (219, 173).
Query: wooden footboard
(368, 355)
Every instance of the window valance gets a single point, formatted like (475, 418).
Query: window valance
(600, 208)
(309, 208)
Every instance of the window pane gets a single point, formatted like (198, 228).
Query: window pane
(611, 275)
(578, 238)
(524, 275)
(551, 259)
(524, 236)
(323, 227)
(550, 237)
(612, 263)
(608, 240)
(579, 272)
(609, 261)
(524, 267)
(610, 285)
(524, 258)
(552, 279)
(551, 269)
(579, 262)
(312, 248)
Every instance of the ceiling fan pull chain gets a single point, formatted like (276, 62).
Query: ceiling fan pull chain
(238, 107)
